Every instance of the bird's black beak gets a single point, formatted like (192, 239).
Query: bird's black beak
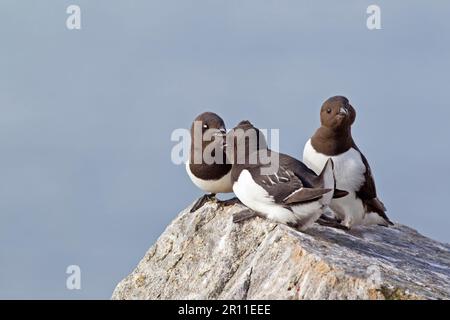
(224, 134)
(220, 132)
(343, 111)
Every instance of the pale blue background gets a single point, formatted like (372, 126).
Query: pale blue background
(86, 116)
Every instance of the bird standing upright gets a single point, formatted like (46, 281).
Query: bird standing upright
(212, 177)
(333, 140)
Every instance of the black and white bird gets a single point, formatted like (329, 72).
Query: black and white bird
(291, 194)
(211, 177)
(333, 140)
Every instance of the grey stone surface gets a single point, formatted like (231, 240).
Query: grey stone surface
(204, 255)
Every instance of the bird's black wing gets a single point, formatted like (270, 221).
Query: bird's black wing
(368, 192)
(305, 174)
(278, 185)
(308, 177)
(288, 185)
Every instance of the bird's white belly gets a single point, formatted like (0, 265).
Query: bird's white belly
(309, 212)
(223, 185)
(349, 172)
(256, 198)
(349, 209)
(349, 168)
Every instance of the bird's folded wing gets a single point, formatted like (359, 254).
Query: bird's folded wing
(305, 194)
(285, 187)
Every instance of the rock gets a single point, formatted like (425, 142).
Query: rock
(204, 255)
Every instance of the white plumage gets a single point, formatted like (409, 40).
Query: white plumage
(349, 172)
(257, 198)
(223, 185)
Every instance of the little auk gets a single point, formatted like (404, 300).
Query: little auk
(291, 194)
(211, 177)
(333, 140)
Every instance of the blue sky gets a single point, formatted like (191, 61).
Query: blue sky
(86, 116)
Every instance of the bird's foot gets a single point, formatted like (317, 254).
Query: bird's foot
(332, 223)
(202, 200)
(230, 202)
(244, 215)
(330, 219)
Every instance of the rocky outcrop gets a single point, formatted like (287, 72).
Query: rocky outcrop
(204, 255)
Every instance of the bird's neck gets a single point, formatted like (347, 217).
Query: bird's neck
(331, 142)
(197, 154)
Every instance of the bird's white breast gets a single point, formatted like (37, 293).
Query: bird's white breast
(223, 185)
(349, 172)
(257, 198)
(349, 168)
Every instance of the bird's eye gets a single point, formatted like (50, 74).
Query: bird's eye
(329, 110)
